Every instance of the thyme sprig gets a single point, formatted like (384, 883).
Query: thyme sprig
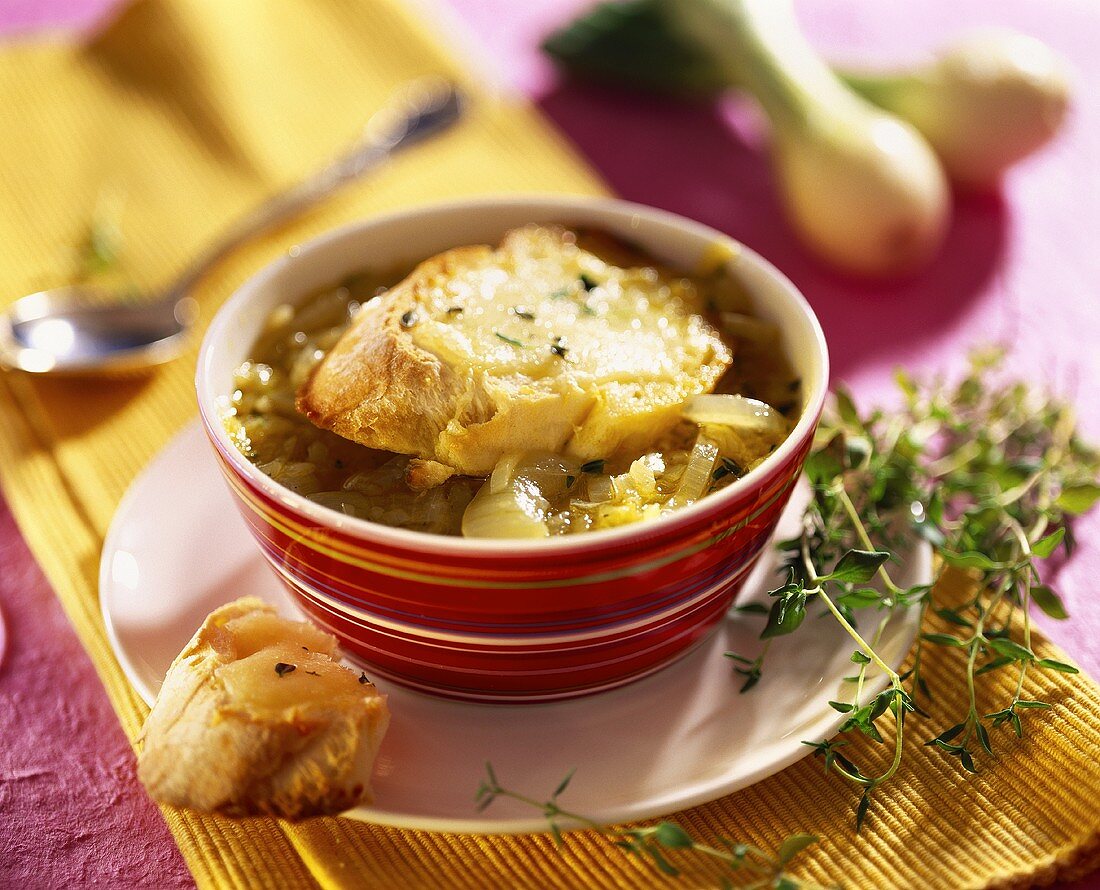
(989, 473)
(752, 867)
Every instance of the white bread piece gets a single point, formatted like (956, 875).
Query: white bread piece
(537, 345)
(231, 734)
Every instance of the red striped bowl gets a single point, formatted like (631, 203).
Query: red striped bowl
(511, 620)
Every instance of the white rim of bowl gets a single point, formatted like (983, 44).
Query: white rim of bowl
(489, 547)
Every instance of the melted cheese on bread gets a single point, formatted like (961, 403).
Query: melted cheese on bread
(536, 345)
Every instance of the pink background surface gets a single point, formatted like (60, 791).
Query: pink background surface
(72, 813)
(1020, 268)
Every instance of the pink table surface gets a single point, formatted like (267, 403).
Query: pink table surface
(1020, 268)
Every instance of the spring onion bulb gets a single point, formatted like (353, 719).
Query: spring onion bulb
(984, 103)
(859, 187)
(862, 188)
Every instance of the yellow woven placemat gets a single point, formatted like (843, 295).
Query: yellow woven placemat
(181, 114)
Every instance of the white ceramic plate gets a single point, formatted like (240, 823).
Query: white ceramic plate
(177, 549)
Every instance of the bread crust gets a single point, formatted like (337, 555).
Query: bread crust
(378, 388)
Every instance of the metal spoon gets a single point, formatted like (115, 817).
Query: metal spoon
(80, 330)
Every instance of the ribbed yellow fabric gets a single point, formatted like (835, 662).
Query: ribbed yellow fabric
(181, 114)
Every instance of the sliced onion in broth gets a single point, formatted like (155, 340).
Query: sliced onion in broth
(548, 472)
(502, 474)
(600, 488)
(737, 412)
(517, 511)
(697, 475)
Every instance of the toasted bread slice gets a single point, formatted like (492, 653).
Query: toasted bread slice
(536, 345)
(257, 717)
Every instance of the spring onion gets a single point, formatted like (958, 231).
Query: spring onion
(862, 188)
(984, 103)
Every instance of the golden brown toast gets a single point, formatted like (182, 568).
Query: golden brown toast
(538, 344)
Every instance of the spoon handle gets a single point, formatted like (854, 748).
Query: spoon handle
(416, 112)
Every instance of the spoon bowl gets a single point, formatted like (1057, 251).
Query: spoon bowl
(78, 329)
